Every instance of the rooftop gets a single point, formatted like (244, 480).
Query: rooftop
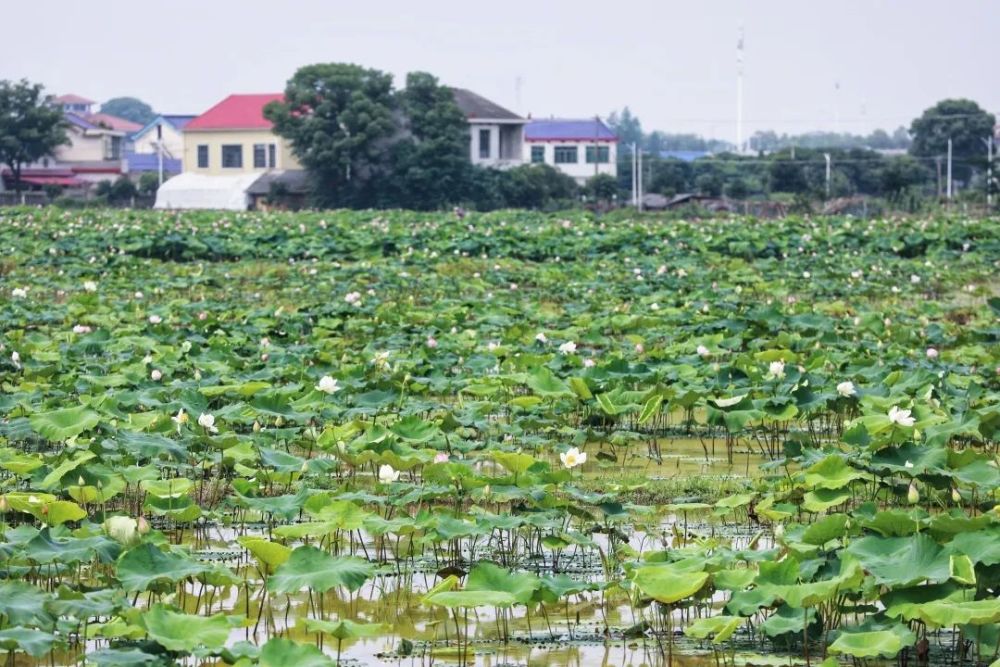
(73, 99)
(236, 112)
(564, 129)
(113, 122)
(478, 107)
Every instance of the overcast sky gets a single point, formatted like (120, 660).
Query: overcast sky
(673, 63)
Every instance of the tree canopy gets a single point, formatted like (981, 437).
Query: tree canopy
(341, 121)
(962, 121)
(129, 108)
(30, 127)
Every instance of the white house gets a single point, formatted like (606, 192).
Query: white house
(579, 148)
(145, 140)
(496, 134)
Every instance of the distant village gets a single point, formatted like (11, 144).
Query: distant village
(229, 157)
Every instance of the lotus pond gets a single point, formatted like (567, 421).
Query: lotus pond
(503, 439)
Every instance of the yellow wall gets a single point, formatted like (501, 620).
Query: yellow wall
(215, 139)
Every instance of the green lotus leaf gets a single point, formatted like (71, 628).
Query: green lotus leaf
(176, 631)
(667, 584)
(33, 642)
(486, 576)
(309, 567)
(720, 628)
(344, 628)
(545, 384)
(828, 528)
(269, 554)
(279, 652)
(880, 643)
(59, 425)
(945, 613)
(23, 604)
(470, 599)
(144, 566)
(833, 472)
(902, 561)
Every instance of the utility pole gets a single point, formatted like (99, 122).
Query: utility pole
(597, 161)
(989, 171)
(635, 179)
(159, 150)
(826, 156)
(937, 164)
(739, 93)
(639, 157)
(949, 169)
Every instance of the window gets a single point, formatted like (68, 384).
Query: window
(599, 154)
(259, 156)
(484, 144)
(203, 156)
(271, 152)
(232, 156)
(113, 148)
(538, 154)
(565, 155)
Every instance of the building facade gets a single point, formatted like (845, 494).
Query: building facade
(233, 137)
(578, 148)
(496, 134)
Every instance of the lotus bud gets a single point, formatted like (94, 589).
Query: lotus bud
(955, 495)
(142, 525)
(256, 426)
(80, 481)
(305, 467)
(912, 495)
(280, 421)
(4, 505)
(779, 531)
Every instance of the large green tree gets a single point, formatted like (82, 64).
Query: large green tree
(341, 121)
(30, 127)
(430, 165)
(129, 108)
(962, 121)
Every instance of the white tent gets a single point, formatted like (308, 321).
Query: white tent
(200, 191)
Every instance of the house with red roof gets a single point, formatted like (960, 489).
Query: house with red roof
(231, 157)
(234, 137)
(581, 148)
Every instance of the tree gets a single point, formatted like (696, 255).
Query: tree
(901, 175)
(30, 127)
(602, 187)
(149, 183)
(960, 120)
(129, 108)
(430, 165)
(341, 121)
(537, 186)
(627, 127)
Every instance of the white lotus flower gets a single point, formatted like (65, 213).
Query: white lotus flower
(441, 457)
(207, 421)
(573, 457)
(432, 342)
(353, 297)
(806, 275)
(15, 357)
(639, 348)
(387, 474)
(932, 353)
(776, 369)
(90, 286)
(122, 529)
(19, 293)
(908, 464)
(155, 319)
(492, 345)
(915, 279)
(541, 338)
(901, 417)
(265, 342)
(138, 295)
(702, 351)
(156, 375)
(81, 329)
(846, 389)
(328, 385)
(588, 363)
(180, 418)
(569, 347)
